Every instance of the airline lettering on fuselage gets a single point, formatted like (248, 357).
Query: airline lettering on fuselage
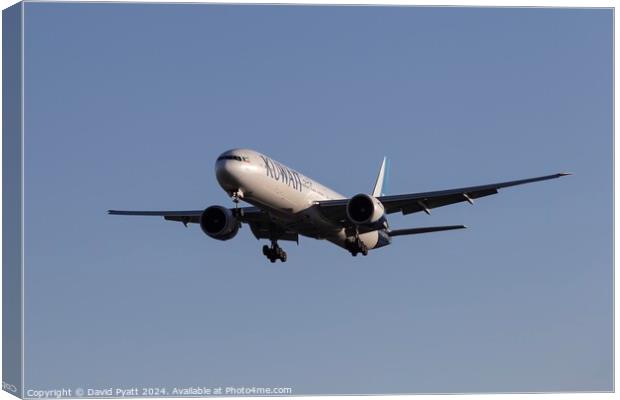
(280, 173)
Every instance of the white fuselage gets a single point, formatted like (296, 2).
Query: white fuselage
(287, 195)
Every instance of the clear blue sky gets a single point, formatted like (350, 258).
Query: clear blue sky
(127, 107)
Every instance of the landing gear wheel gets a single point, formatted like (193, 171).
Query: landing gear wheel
(274, 252)
(357, 246)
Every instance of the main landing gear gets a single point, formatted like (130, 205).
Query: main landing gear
(357, 246)
(274, 252)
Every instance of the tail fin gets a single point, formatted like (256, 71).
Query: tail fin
(381, 183)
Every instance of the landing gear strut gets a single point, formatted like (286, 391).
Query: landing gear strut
(237, 212)
(274, 252)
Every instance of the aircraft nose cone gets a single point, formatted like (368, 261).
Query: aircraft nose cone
(227, 174)
(223, 171)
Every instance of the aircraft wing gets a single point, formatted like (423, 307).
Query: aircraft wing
(248, 214)
(191, 216)
(260, 223)
(425, 201)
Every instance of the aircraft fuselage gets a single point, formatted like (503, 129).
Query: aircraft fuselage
(288, 195)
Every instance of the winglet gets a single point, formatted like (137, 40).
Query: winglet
(565, 173)
(381, 182)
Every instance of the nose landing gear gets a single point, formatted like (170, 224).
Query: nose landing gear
(274, 252)
(236, 195)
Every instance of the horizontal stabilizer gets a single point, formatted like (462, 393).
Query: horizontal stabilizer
(428, 229)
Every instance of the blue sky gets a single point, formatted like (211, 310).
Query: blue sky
(128, 106)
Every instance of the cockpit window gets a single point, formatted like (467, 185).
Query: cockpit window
(230, 158)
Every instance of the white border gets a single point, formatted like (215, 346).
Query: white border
(476, 3)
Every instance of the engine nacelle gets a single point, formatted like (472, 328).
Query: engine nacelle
(219, 223)
(363, 209)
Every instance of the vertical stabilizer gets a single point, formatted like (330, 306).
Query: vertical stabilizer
(381, 183)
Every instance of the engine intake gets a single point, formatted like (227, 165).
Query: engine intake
(219, 223)
(363, 209)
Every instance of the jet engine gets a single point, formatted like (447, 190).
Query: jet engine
(363, 209)
(219, 223)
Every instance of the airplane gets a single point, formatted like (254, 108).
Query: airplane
(286, 204)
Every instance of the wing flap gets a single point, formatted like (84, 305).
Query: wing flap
(184, 219)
